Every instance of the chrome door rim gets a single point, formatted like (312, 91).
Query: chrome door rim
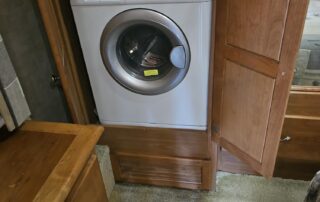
(108, 48)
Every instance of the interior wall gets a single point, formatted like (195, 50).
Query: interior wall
(26, 42)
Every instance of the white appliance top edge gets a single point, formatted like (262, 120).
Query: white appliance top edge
(128, 2)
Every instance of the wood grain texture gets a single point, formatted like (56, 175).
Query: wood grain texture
(64, 59)
(246, 103)
(252, 61)
(79, 68)
(291, 43)
(299, 158)
(211, 177)
(229, 163)
(62, 178)
(276, 37)
(157, 141)
(305, 139)
(162, 171)
(304, 103)
(89, 185)
(27, 159)
(214, 165)
(257, 26)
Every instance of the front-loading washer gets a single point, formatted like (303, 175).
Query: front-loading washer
(148, 61)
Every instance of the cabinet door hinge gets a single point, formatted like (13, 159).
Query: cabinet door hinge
(215, 129)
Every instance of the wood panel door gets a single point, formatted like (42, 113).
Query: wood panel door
(256, 42)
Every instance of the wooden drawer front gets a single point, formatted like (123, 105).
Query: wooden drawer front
(162, 171)
(157, 141)
(305, 139)
(299, 158)
(304, 104)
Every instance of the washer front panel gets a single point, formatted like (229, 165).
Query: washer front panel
(112, 59)
(185, 106)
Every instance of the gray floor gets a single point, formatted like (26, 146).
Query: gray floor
(230, 188)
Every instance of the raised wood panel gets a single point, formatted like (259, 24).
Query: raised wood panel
(157, 141)
(162, 171)
(304, 103)
(89, 185)
(247, 98)
(253, 35)
(257, 26)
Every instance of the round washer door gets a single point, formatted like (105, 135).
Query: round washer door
(145, 51)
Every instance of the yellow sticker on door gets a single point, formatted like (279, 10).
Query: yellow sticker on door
(151, 72)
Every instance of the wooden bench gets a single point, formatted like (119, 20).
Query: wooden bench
(51, 162)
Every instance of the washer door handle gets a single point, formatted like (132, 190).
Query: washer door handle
(178, 57)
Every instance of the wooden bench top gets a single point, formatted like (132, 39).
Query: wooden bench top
(42, 161)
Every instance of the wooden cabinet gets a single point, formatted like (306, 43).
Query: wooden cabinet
(254, 45)
(51, 162)
(299, 153)
(255, 48)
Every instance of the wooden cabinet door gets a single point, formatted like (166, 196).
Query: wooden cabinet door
(256, 42)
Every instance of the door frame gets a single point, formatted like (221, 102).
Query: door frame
(69, 63)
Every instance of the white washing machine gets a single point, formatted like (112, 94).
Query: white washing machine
(147, 60)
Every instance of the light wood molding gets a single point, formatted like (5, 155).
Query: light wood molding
(73, 83)
(89, 185)
(248, 106)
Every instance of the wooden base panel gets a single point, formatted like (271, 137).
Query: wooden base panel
(162, 171)
(158, 156)
(157, 141)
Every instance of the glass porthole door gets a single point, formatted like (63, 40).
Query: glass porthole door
(145, 51)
